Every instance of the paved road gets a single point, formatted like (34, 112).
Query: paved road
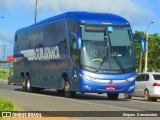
(49, 100)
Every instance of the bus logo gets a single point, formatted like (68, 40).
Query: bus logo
(47, 53)
(110, 82)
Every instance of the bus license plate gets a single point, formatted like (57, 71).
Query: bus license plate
(110, 88)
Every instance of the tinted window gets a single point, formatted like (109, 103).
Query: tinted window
(146, 77)
(54, 33)
(75, 52)
(35, 37)
(93, 35)
(120, 36)
(73, 26)
(140, 77)
(156, 76)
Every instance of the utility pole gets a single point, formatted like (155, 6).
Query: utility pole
(140, 64)
(4, 48)
(146, 55)
(35, 16)
(4, 52)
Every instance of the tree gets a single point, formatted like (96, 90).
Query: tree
(153, 52)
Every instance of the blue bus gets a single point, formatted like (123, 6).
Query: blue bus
(76, 52)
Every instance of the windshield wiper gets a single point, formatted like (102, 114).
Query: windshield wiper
(103, 59)
(119, 63)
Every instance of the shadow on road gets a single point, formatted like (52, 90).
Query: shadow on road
(79, 96)
(19, 89)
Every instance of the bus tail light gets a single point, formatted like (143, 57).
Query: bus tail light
(156, 84)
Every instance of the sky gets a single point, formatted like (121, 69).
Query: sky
(16, 14)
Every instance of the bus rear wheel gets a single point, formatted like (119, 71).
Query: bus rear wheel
(28, 87)
(112, 96)
(22, 81)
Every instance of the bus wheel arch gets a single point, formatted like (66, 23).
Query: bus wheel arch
(65, 77)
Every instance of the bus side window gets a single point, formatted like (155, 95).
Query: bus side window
(74, 51)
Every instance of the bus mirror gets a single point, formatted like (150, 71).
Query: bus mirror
(78, 40)
(142, 42)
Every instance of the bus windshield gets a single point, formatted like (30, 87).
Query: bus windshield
(107, 48)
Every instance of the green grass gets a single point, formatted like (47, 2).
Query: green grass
(6, 105)
(4, 74)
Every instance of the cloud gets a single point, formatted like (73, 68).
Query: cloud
(135, 12)
(129, 9)
(6, 39)
(5, 35)
(5, 5)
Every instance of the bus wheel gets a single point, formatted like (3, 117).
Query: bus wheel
(112, 96)
(22, 82)
(67, 91)
(28, 85)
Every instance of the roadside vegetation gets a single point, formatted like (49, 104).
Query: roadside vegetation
(6, 105)
(153, 52)
(4, 74)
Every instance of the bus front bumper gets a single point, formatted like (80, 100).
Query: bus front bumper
(93, 87)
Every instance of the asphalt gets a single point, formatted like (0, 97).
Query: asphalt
(49, 100)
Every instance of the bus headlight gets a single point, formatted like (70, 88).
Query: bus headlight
(131, 79)
(87, 77)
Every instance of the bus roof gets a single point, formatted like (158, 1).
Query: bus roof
(86, 17)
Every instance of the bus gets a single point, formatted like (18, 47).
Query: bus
(76, 52)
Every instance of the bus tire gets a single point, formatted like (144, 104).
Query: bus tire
(28, 87)
(22, 82)
(112, 96)
(67, 91)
